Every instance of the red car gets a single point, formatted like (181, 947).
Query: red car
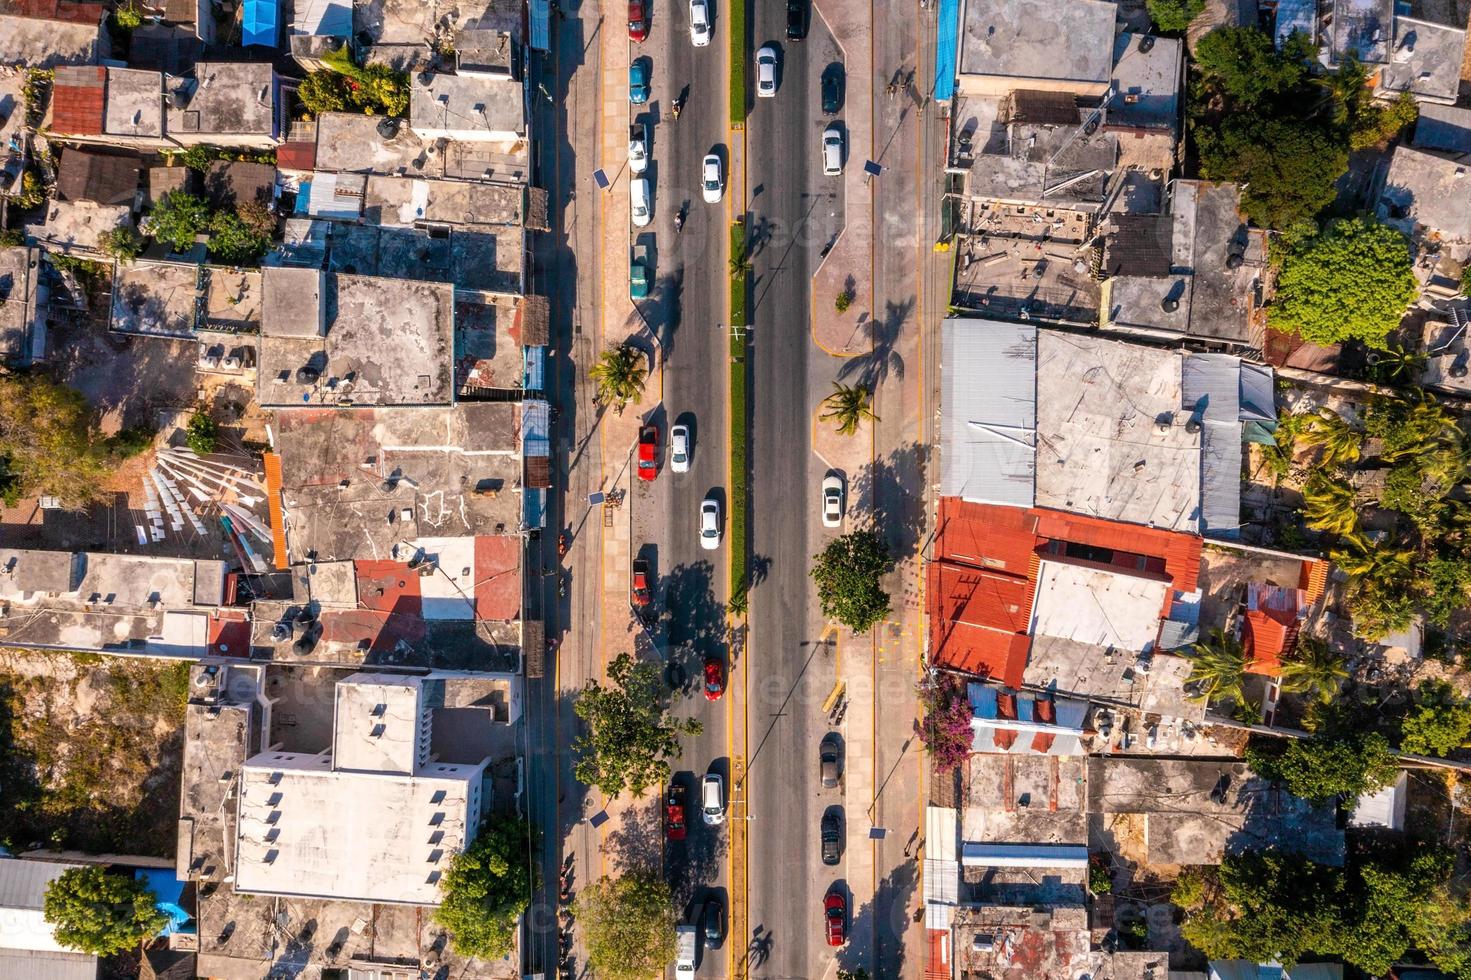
(638, 20)
(714, 678)
(674, 812)
(642, 594)
(648, 452)
(835, 912)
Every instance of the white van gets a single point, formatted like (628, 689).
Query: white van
(712, 799)
(684, 955)
(638, 202)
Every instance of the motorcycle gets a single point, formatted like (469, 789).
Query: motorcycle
(562, 544)
(678, 104)
(561, 586)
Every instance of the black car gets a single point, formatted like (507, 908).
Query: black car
(796, 20)
(713, 920)
(832, 89)
(832, 836)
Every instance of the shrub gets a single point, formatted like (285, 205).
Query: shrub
(844, 300)
(123, 243)
(1173, 16)
(1351, 283)
(202, 433)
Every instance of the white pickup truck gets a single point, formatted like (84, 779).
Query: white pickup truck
(684, 957)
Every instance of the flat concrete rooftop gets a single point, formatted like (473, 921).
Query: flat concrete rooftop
(1066, 41)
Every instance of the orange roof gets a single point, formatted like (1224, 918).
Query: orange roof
(978, 621)
(1269, 636)
(77, 100)
(497, 577)
(986, 535)
(1313, 579)
(1179, 551)
(296, 156)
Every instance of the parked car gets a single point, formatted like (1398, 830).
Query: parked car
(643, 592)
(832, 501)
(709, 524)
(766, 72)
(699, 23)
(648, 452)
(712, 182)
(713, 921)
(679, 448)
(832, 88)
(638, 273)
(712, 799)
(796, 19)
(638, 81)
(638, 148)
(714, 678)
(638, 20)
(829, 761)
(832, 837)
(686, 946)
(640, 206)
(835, 914)
(674, 811)
(832, 151)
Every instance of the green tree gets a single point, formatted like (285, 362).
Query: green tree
(847, 575)
(1314, 669)
(1352, 282)
(1397, 365)
(1242, 66)
(1336, 761)
(1386, 897)
(630, 737)
(1267, 906)
(619, 375)
(233, 241)
(628, 924)
(1445, 586)
(1328, 504)
(199, 156)
(1442, 931)
(46, 442)
(1218, 669)
(32, 192)
(98, 912)
(177, 219)
(848, 406)
(486, 889)
(1339, 443)
(202, 433)
(1369, 121)
(1439, 723)
(122, 243)
(323, 91)
(1173, 16)
(1288, 168)
(1378, 579)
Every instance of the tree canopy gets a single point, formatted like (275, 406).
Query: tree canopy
(177, 219)
(946, 729)
(1439, 723)
(1340, 759)
(847, 574)
(1353, 282)
(1288, 168)
(98, 912)
(46, 444)
(628, 924)
(1173, 16)
(486, 888)
(630, 737)
(242, 236)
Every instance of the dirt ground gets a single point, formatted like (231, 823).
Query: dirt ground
(90, 750)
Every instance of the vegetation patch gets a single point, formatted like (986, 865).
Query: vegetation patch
(90, 752)
(487, 887)
(629, 736)
(738, 53)
(739, 489)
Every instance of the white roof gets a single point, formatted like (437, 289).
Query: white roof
(1097, 606)
(376, 727)
(1386, 808)
(22, 896)
(988, 430)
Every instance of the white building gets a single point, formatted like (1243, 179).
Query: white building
(375, 818)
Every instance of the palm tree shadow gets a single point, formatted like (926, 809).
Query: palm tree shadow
(871, 368)
(889, 488)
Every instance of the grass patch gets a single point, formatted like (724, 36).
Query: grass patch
(737, 15)
(739, 286)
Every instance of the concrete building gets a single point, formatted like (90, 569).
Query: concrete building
(31, 41)
(303, 829)
(1193, 271)
(97, 602)
(77, 227)
(406, 33)
(23, 300)
(226, 105)
(190, 301)
(1427, 196)
(28, 945)
(1425, 61)
(339, 339)
(108, 106)
(1043, 45)
(467, 107)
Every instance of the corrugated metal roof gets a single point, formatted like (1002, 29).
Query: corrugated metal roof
(23, 882)
(1220, 480)
(1210, 386)
(46, 965)
(1258, 393)
(988, 431)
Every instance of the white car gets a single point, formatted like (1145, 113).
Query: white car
(832, 501)
(679, 449)
(832, 151)
(712, 799)
(709, 524)
(638, 150)
(766, 72)
(699, 23)
(638, 202)
(712, 182)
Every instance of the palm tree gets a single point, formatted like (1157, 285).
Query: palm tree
(848, 406)
(619, 374)
(1328, 505)
(1218, 669)
(1396, 364)
(1362, 559)
(1314, 669)
(1340, 442)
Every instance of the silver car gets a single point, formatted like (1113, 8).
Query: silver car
(679, 449)
(766, 72)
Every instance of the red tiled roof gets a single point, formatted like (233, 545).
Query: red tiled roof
(229, 634)
(497, 577)
(77, 99)
(979, 621)
(296, 156)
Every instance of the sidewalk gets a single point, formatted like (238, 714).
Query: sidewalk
(849, 266)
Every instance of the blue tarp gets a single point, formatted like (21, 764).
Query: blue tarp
(261, 23)
(167, 889)
(946, 50)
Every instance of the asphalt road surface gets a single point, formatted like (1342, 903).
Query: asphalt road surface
(795, 212)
